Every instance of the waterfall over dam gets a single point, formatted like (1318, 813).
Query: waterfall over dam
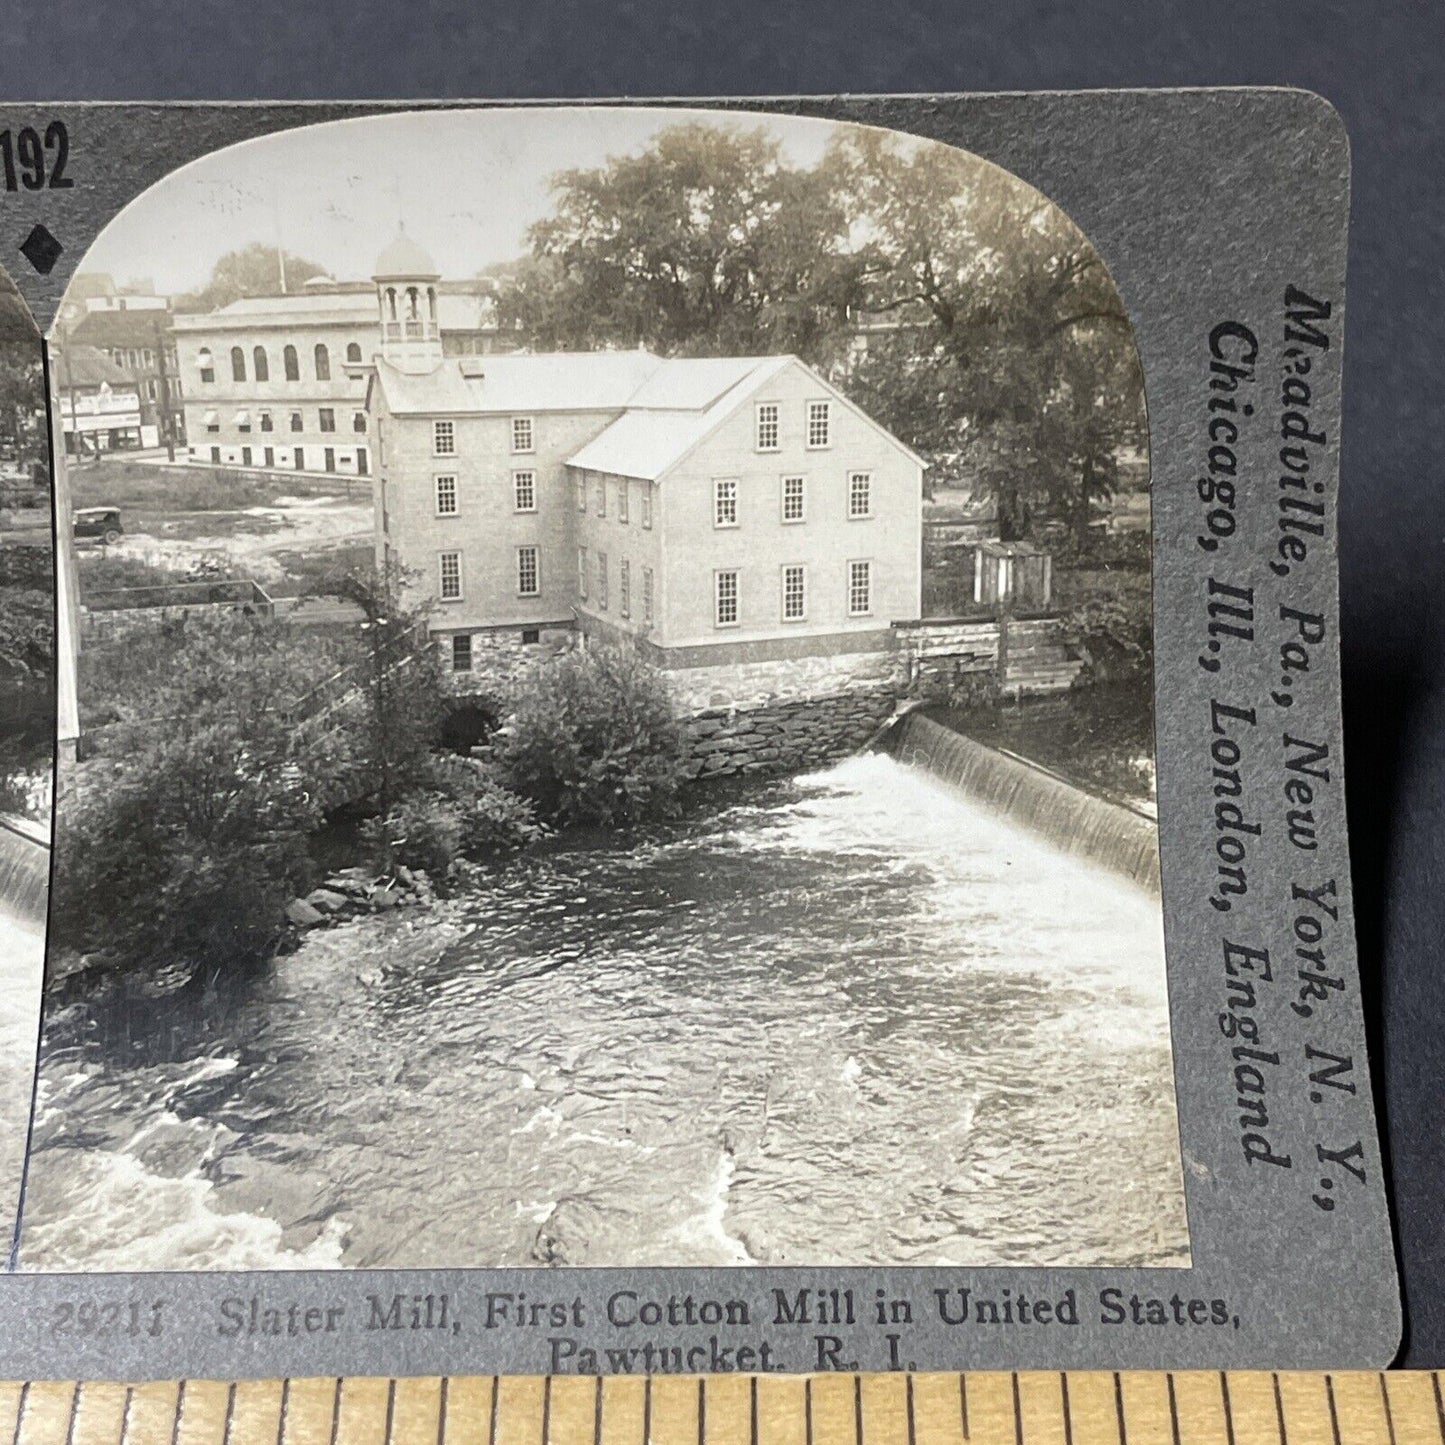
(24, 872)
(1074, 820)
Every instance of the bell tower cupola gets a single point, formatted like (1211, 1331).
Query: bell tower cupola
(406, 295)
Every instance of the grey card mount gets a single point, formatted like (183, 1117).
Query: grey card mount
(691, 736)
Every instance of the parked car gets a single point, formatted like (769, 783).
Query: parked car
(96, 524)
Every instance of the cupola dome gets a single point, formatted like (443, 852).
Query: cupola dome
(403, 259)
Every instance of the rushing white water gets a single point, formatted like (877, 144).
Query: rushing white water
(22, 956)
(851, 1019)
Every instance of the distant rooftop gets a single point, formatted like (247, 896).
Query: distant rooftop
(85, 366)
(460, 307)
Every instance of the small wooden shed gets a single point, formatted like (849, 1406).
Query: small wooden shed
(1018, 574)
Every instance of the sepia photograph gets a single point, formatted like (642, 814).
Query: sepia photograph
(610, 661)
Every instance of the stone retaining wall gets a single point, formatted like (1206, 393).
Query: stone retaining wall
(789, 735)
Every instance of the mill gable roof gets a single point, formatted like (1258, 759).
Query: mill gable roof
(664, 407)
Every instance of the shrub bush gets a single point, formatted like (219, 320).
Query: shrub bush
(422, 830)
(184, 855)
(467, 815)
(1115, 635)
(494, 819)
(594, 739)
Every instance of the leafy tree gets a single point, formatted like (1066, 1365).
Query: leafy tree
(253, 270)
(593, 739)
(399, 700)
(706, 243)
(1019, 359)
(180, 845)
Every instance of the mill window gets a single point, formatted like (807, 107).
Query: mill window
(528, 577)
(725, 502)
(450, 565)
(725, 598)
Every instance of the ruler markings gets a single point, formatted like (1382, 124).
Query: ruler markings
(1199, 1408)
(74, 1410)
(1358, 1409)
(569, 1409)
(151, 1412)
(181, 1389)
(308, 1410)
(1304, 1409)
(833, 1417)
(936, 1417)
(986, 1408)
(521, 1410)
(1413, 1417)
(623, 1410)
(200, 1413)
(1389, 1413)
(884, 1418)
(12, 1407)
(674, 1417)
(414, 1411)
(256, 1413)
(45, 1415)
(725, 1411)
(100, 1415)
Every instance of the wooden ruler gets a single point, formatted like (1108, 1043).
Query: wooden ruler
(1026, 1408)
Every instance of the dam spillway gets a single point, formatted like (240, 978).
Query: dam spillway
(24, 872)
(1071, 818)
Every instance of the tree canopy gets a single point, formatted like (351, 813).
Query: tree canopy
(253, 270)
(996, 343)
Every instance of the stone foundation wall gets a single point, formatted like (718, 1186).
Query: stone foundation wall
(785, 735)
(750, 685)
(502, 662)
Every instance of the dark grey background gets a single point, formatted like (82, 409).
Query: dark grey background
(1379, 65)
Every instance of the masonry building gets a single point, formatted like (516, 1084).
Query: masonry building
(133, 329)
(716, 511)
(274, 382)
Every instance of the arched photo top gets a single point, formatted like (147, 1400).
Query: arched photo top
(957, 304)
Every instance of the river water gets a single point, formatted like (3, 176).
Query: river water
(846, 1019)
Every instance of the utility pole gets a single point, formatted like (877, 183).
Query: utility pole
(168, 425)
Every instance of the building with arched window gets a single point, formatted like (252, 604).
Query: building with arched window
(307, 350)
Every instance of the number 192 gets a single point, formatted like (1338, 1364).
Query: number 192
(32, 163)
